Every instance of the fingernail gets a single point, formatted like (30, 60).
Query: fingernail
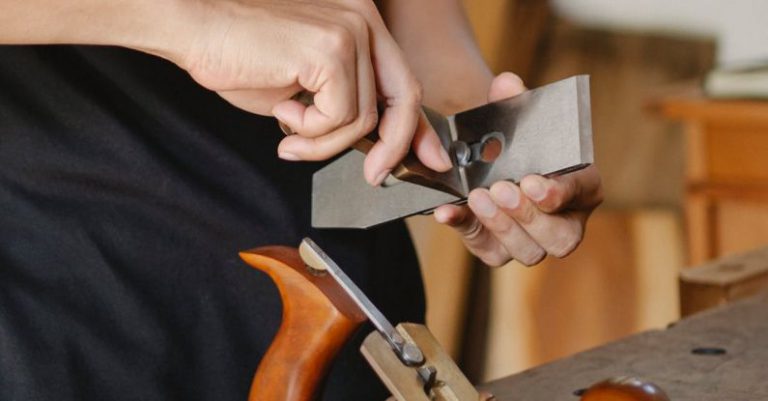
(288, 156)
(483, 205)
(381, 177)
(534, 189)
(285, 128)
(506, 194)
(441, 216)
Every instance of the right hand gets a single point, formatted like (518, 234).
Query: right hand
(258, 55)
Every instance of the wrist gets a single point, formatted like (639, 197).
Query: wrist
(164, 28)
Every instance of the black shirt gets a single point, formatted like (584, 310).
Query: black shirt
(126, 192)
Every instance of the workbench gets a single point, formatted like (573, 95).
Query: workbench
(717, 355)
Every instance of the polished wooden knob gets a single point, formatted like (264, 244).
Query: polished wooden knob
(624, 389)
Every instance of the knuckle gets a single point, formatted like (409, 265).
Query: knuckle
(566, 243)
(331, 121)
(533, 257)
(525, 214)
(337, 42)
(414, 93)
(599, 196)
(366, 7)
(357, 22)
(557, 196)
(472, 231)
(343, 116)
(341, 119)
(494, 259)
(368, 121)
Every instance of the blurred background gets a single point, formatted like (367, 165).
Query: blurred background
(680, 126)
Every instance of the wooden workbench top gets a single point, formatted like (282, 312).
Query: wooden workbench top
(665, 357)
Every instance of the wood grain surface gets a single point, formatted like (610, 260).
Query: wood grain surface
(721, 354)
(318, 318)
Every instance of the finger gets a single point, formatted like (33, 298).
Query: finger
(476, 237)
(505, 85)
(558, 234)
(297, 147)
(396, 130)
(517, 243)
(333, 80)
(455, 216)
(428, 148)
(259, 101)
(367, 117)
(578, 190)
(400, 90)
(330, 144)
(367, 97)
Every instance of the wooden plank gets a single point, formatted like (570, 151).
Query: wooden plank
(737, 152)
(695, 152)
(700, 108)
(665, 357)
(742, 225)
(699, 214)
(724, 280)
(726, 178)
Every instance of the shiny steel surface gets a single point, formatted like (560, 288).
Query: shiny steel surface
(408, 353)
(546, 131)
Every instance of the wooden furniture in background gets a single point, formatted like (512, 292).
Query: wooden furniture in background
(624, 277)
(723, 281)
(621, 280)
(726, 173)
(511, 33)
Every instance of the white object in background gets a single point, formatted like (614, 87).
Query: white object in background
(739, 83)
(739, 26)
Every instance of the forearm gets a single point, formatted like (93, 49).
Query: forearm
(439, 45)
(152, 26)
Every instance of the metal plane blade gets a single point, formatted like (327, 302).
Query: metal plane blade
(546, 131)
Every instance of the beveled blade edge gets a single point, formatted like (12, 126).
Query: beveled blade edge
(585, 119)
(341, 198)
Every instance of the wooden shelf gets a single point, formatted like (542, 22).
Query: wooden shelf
(726, 173)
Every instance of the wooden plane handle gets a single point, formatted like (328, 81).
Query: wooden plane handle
(318, 318)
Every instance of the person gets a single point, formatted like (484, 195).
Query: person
(138, 155)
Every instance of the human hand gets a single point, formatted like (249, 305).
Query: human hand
(257, 55)
(528, 221)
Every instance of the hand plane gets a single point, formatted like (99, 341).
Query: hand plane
(321, 309)
(546, 131)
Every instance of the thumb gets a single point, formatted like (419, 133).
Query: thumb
(505, 85)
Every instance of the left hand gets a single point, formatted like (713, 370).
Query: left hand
(526, 222)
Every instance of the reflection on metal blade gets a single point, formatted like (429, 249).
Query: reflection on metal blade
(544, 131)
